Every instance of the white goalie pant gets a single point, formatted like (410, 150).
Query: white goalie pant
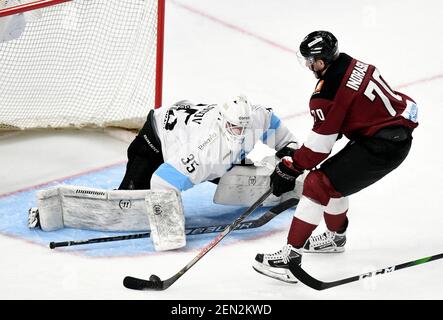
(115, 210)
(243, 185)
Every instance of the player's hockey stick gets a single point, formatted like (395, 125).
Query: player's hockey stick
(308, 280)
(251, 224)
(155, 283)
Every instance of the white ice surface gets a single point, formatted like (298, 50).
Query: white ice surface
(215, 49)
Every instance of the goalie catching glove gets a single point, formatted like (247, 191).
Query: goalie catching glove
(284, 176)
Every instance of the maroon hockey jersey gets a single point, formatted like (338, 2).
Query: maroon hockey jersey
(354, 100)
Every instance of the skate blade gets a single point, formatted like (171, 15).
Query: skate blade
(285, 275)
(328, 250)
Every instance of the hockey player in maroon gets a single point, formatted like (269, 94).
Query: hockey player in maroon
(351, 98)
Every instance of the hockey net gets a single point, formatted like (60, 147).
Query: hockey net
(81, 63)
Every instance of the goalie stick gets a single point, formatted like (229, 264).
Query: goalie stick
(251, 224)
(155, 283)
(310, 281)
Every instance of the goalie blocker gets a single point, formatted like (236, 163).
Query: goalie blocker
(114, 210)
(244, 184)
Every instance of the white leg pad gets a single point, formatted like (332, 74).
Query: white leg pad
(165, 211)
(50, 209)
(93, 209)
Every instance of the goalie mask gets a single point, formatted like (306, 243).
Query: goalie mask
(235, 117)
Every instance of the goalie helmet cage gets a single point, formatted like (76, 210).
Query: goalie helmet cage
(81, 63)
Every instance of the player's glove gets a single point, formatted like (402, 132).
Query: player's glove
(287, 150)
(283, 177)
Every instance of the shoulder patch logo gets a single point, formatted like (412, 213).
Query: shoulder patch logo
(319, 86)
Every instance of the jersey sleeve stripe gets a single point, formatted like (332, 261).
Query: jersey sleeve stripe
(174, 177)
(321, 143)
(273, 125)
(305, 158)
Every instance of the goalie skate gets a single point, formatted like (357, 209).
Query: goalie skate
(326, 242)
(33, 218)
(276, 265)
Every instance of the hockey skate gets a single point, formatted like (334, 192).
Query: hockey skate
(33, 218)
(326, 242)
(276, 265)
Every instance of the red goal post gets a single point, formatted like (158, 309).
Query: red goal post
(81, 63)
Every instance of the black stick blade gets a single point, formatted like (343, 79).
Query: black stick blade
(305, 278)
(141, 284)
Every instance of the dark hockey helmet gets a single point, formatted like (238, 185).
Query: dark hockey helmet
(319, 45)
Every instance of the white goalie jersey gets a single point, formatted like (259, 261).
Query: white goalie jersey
(196, 149)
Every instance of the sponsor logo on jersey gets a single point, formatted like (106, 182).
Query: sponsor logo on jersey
(207, 141)
(357, 76)
(411, 111)
(252, 180)
(183, 104)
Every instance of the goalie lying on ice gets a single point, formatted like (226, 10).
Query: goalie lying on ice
(177, 148)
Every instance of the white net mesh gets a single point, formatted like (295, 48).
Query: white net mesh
(82, 63)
